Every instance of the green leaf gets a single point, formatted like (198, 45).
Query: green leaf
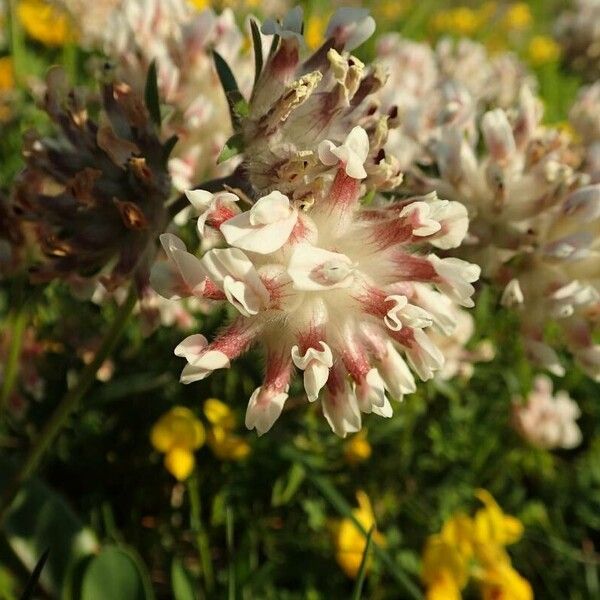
(258, 56)
(40, 518)
(168, 147)
(233, 146)
(362, 572)
(234, 97)
(286, 487)
(115, 574)
(151, 95)
(33, 580)
(181, 582)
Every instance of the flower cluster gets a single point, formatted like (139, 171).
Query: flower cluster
(585, 119)
(328, 285)
(546, 420)
(349, 542)
(474, 548)
(180, 40)
(95, 191)
(578, 31)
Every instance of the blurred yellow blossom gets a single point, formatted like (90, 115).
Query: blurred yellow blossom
(315, 30)
(517, 16)
(357, 449)
(7, 74)
(224, 444)
(177, 434)
(542, 50)
(461, 20)
(390, 10)
(474, 548)
(349, 541)
(200, 4)
(45, 23)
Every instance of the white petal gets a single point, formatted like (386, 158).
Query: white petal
(342, 412)
(171, 242)
(264, 409)
(201, 200)
(191, 347)
(370, 393)
(270, 209)
(323, 356)
(313, 269)
(203, 366)
(315, 377)
(396, 374)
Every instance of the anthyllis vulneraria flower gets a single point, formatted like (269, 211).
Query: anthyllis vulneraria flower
(578, 31)
(474, 548)
(326, 284)
(349, 542)
(177, 434)
(547, 420)
(95, 190)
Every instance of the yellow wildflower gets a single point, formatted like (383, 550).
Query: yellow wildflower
(349, 541)
(444, 587)
(199, 4)
(177, 434)
(517, 17)
(459, 21)
(492, 526)
(224, 444)
(390, 10)
(315, 30)
(442, 559)
(502, 582)
(357, 449)
(45, 22)
(543, 50)
(7, 74)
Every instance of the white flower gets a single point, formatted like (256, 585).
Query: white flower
(315, 364)
(352, 153)
(265, 227)
(212, 209)
(545, 420)
(313, 269)
(202, 361)
(350, 26)
(455, 278)
(290, 27)
(264, 409)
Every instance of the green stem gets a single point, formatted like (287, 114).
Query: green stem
(11, 368)
(17, 44)
(231, 553)
(345, 510)
(67, 405)
(201, 536)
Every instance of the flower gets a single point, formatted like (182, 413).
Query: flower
(542, 50)
(224, 444)
(349, 541)
(474, 548)
(517, 16)
(579, 35)
(547, 420)
(177, 434)
(357, 449)
(95, 191)
(315, 30)
(326, 285)
(45, 22)
(584, 117)
(461, 20)
(7, 74)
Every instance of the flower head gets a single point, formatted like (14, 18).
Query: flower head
(45, 22)
(177, 434)
(95, 191)
(222, 440)
(547, 420)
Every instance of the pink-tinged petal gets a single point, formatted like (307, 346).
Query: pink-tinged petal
(352, 154)
(201, 200)
(498, 135)
(314, 269)
(166, 281)
(512, 295)
(350, 27)
(404, 313)
(264, 409)
(423, 355)
(171, 242)
(418, 215)
(263, 229)
(340, 406)
(370, 394)
(316, 364)
(191, 347)
(396, 374)
(439, 306)
(455, 277)
(583, 204)
(544, 356)
(203, 366)
(191, 270)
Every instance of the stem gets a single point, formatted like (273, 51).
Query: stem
(17, 43)
(345, 510)
(201, 536)
(231, 553)
(67, 405)
(11, 370)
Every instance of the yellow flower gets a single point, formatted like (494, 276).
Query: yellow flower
(45, 22)
(177, 434)
(7, 74)
(442, 559)
(543, 50)
(458, 533)
(444, 587)
(517, 16)
(357, 449)
(502, 582)
(226, 445)
(199, 4)
(492, 526)
(315, 30)
(459, 21)
(218, 413)
(349, 541)
(390, 10)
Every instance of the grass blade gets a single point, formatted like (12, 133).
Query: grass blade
(35, 576)
(362, 572)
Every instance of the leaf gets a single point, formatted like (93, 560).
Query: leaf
(168, 147)
(233, 146)
(234, 97)
(258, 56)
(40, 518)
(33, 580)
(286, 487)
(362, 571)
(181, 582)
(116, 574)
(151, 96)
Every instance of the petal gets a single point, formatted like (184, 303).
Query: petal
(313, 269)
(315, 377)
(342, 412)
(270, 209)
(264, 409)
(201, 200)
(191, 347)
(203, 366)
